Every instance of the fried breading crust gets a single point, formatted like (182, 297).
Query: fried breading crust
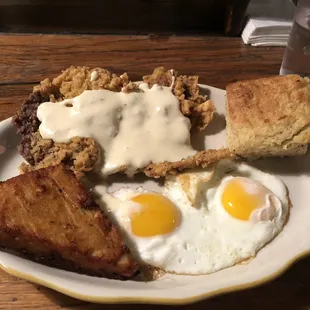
(82, 154)
(47, 215)
(201, 159)
(186, 89)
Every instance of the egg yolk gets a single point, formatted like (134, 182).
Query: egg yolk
(156, 216)
(242, 196)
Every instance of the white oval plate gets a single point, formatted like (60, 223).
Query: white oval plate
(292, 243)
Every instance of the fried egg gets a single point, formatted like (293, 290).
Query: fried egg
(237, 210)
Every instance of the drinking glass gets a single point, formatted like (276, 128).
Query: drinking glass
(297, 53)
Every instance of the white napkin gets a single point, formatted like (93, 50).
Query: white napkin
(260, 31)
(269, 22)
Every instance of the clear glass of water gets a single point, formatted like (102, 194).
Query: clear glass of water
(297, 53)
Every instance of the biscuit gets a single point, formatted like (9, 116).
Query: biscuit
(268, 116)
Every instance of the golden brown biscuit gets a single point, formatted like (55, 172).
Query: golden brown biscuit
(268, 116)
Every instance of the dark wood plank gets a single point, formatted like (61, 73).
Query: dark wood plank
(11, 97)
(217, 60)
(135, 16)
(27, 59)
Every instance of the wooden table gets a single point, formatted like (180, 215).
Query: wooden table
(27, 59)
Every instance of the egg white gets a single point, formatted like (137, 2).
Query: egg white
(208, 238)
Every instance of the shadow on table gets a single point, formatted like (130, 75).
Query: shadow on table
(290, 291)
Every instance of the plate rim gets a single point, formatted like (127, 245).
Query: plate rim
(156, 300)
(149, 299)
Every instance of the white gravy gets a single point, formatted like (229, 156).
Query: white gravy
(94, 76)
(132, 129)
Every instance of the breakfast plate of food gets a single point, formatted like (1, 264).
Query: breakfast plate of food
(161, 191)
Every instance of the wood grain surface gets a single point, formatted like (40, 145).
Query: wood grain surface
(27, 59)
